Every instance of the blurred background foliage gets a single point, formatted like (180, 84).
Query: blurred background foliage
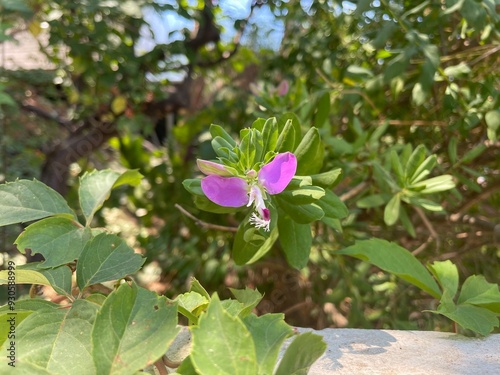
(136, 84)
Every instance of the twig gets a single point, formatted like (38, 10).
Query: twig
(162, 370)
(484, 195)
(428, 225)
(354, 191)
(204, 224)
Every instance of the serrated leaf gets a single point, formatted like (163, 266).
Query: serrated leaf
(26, 200)
(133, 329)
(296, 240)
(471, 317)
(191, 304)
(250, 298)
(301, 354)
(95, 188)
(195, 286)
(46, 339)
(477, 291)
(396, 260)
(60, 240)
(222, 344)
(105, 258)
(446, 274)
(269, 331)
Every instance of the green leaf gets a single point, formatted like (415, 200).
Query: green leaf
(303, 213)
(269, 331)
(492, 119)
(446, 273)
(423, 170)
(32, 304)
(60, 240)
(327, 179)
(105, 258)
(471, 317)
(191, 304)
(132, 330)
(286, 139)
(416, 159)
(303, 195)
(293, 120)
(193, 185)
(270, 135)
(391, 211)
(250, 298)
(396, 260)
(25, 200)
(405, 220)
(309, 153)
(296, 240)
(301, 354)
(195, 286)
(473, 153)
(374, 200)
(246, 251)
(25, 277)
(425, 203)
(477, 291)
(223, 148)
(95, 188)
(435, 184)
(5, 327)
(57, 341)
(59, 278)
(332, 206)
(218, 131)
(397, 167)
(452, 149)
(222, 344)
(322, 111)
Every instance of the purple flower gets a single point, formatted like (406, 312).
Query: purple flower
(272, 179)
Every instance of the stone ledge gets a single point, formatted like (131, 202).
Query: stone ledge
(360, 351)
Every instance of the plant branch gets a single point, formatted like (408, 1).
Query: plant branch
(204, 224)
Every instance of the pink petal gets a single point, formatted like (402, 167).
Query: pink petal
(210, 168)
(276, 175)
(225, 191)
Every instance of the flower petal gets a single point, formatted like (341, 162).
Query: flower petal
(276, 175)
(225, 191)
(210, 168)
